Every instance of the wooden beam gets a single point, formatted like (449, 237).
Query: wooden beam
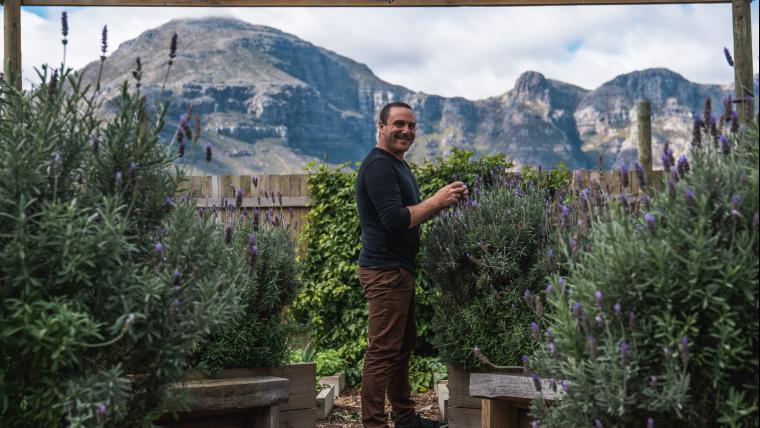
(743, 76)
(12, 40)
(644, 121)
(350, 3)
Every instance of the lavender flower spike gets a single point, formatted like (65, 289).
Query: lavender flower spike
(729, 59)
(650, 422)
(640, 175)
(625, 353)
(526, 363)
(536, 331)
(159, 248)
(618, 309)
(624, 175)
(598, 423)
(598, 297)
(102, 409)
(683, 348)
(208, 152)
(566, 386)
(651, 222)
(536, 381)
(592, 349)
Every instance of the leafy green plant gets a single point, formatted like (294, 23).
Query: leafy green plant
(656, 323)
(106, 282)
(425, 372)
(329, 362)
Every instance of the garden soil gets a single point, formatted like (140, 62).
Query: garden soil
(347, 412)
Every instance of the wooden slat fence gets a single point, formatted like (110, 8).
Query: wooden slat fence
(217, 192)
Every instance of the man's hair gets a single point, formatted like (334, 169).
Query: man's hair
(387, 110)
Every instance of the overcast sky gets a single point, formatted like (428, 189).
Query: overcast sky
(470, 52)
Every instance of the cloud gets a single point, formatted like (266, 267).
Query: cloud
(469, 52)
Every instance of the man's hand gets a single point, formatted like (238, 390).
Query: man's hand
(451, 194)
(445, 197)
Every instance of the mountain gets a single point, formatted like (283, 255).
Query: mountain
(270, 102)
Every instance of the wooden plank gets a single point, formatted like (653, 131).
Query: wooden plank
(12, 40)
(360, 3)
(743, 74)
(305, 185)
(442, 393)
(459, 389)
(644, 143)
(295, 185)
(267, 417)
(298, 418)
(499, 414)
(508, 385)
(325, 401)
(287, 201)
(302, 388)
(463, 417)
(239, 393)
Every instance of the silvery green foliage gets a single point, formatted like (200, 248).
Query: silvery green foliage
(106, 282)
(657, 322)
(482, 257)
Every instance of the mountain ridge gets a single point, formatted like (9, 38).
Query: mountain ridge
(271, 102)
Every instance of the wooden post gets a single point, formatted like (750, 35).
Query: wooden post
(644, 119)
(743, 76)
(12, 40)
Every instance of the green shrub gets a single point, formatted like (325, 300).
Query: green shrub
(106, 284)
(484, 258)
(259, 335)
(658, 318)
(332, 300)
(329, 362)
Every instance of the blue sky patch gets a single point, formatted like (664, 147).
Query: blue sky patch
(574, 45)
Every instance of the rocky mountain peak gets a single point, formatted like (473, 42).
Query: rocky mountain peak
(531, 84)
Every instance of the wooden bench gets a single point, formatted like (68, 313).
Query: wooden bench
(506, 398)
(240, 403)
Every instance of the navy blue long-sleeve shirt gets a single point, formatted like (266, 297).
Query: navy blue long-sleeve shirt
(385, 187)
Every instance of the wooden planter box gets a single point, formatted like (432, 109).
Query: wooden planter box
(464, 410)
(296, 409)
(506, 397)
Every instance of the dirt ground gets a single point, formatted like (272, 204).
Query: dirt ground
(347, 412)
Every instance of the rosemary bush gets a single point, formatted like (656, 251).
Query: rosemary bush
(484, 258)
(656, 323)
(259, 335)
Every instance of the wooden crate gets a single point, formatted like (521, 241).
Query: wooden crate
(464, 411)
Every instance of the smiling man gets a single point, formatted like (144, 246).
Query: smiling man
(390, 212)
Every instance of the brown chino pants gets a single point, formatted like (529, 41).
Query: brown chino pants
(392, 338)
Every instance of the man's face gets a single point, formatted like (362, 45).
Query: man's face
(397, 135)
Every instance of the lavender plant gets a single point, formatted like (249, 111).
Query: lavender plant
(107, 281)
(487, 259)
(656, 322)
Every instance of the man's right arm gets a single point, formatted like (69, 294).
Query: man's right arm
(445, 197)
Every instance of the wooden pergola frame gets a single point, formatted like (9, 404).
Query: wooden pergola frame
(742, 21)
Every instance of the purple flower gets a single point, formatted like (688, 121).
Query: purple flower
(631, 320)
(536, 331)
(727, 53)
(119, 179)
(528, 296)
(549, 335)
(158, 248)
(735, 203)
(584, 194)
(640, 174)
(553, 384)
(102, 409)
(650, 422)
(653, 381)
(682, 165)
(534, 424)
(549, 289)
(592, 349)
(578, 309)
(566, 386)
(646, 200)
(208, 152)
(132, 170)
(562, 284)
(176, 277)
(64, 27)
(228, 234)
(624, 353)
(255, 181)
(651, 222)
(176, 302)
(624, 201)
(253, 253)
(689, 193)
(683, 347)
(725, 145)
(598, 297)
(536, 381)
(624, 175)
(618, 309)
(565, 210)
(573, 248)
(103, 43)
(173, 48)
(239, 198)
(552, 348)
(598, 423)
(526, 363)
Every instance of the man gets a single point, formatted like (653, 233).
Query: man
(390, 213)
